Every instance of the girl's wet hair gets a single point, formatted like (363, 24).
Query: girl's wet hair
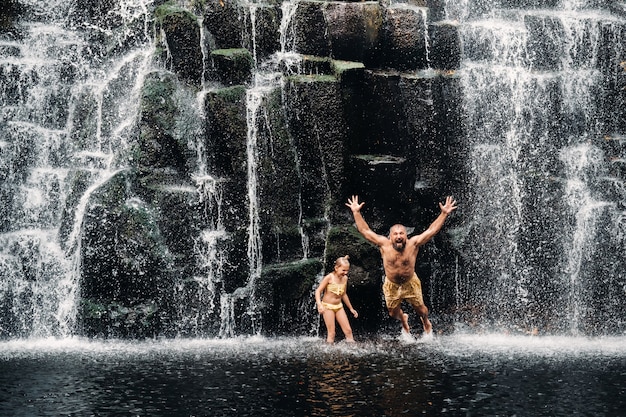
(342, 260)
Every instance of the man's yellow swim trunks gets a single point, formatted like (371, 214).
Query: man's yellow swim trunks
(411, 291)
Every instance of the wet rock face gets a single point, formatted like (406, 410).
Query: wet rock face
(353, 30)
(8, 14)
(371, 107)
(233, 66)
(180, 35)
(352, 120)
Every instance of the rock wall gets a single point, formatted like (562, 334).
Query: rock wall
(371, 106)
(256, 122)
(369, 110)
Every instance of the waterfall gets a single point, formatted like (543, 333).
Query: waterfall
(267, 78)
(533, 101)
(121, 214)
(205, 56)
(63, 119)
(287, 27)
(581, 164)
(292, 60)
(197, 305)
(457, 10)
(252, 8)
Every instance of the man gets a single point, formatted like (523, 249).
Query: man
(399, 255)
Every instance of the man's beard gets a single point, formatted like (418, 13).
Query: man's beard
(399, 246)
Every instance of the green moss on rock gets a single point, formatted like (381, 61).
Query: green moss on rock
(291, 280)
(341, 66)
(233, 66)
(164, 11)
(178, 29)
(232, 94)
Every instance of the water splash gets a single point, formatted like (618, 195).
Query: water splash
(456, 10)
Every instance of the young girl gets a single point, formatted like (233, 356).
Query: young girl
(334, 286)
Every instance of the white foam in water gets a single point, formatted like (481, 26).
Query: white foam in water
(409, 339)
(542, 346)
(406, 338)
(428, 337)
(491, 374)
(457, 345)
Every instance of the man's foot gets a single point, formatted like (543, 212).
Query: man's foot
(405, 322)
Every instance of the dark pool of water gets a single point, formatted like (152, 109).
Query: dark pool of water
(458, 375)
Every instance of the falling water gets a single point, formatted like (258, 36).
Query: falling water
(267, 78)
(581, 165)
(205, 56)
(252, 9)
(198, 298)
(532, 82)
(538, 204)
(457, 10)
(287, 27)
(292, 60)
(52, 80)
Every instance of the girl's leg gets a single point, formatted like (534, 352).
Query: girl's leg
(329, 319)
(342, 319)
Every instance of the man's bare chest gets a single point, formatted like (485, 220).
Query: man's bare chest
(399, 259)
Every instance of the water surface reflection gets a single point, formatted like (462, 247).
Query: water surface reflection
(450, 375)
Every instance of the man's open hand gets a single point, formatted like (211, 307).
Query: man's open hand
(449, 206)
(354, 204)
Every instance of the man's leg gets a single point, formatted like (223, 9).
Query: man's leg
(393, 302)
(398, 314)
(422, 311)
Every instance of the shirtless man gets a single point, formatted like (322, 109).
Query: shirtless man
(399, 255)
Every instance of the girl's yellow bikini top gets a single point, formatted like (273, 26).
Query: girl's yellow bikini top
(338, 289)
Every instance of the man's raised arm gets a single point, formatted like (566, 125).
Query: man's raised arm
(436, 226)
(361, 225)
